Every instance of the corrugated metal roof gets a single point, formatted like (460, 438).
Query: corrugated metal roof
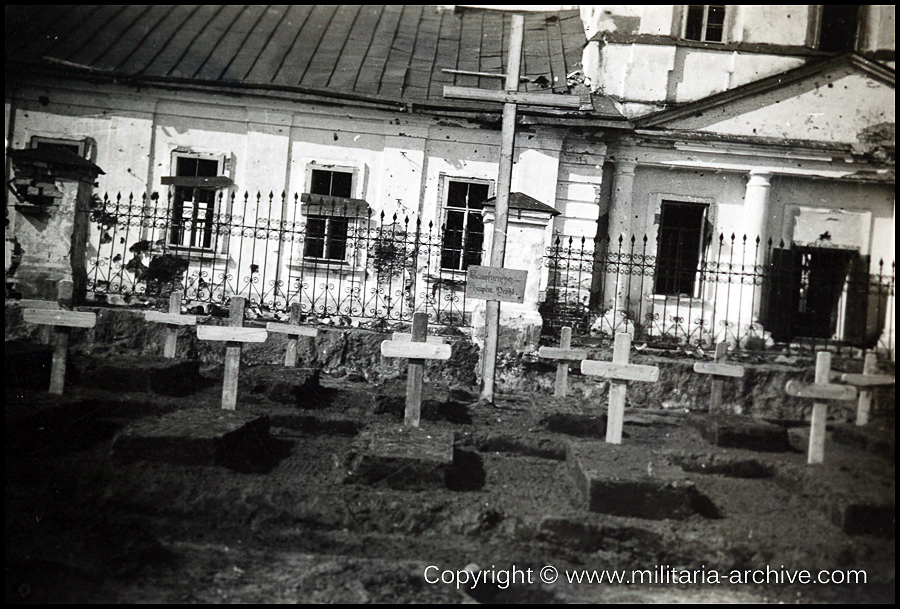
(383, 52)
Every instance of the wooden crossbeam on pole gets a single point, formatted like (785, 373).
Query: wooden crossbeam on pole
(61, 321)
(566, 353)
(570, 102)
(719, 371)
(510, 97)
(172, 319)
(416, 350)
(619, 372)
(822, 389)
(866, 382)
(405, 337)
(294, 332)
(234, 335)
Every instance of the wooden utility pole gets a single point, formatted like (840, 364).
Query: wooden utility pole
(511, 98)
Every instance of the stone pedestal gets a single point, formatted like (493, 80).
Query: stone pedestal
(527, 238)
(51, 191)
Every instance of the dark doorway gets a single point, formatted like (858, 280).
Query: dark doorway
(804, 292)
(823, 275)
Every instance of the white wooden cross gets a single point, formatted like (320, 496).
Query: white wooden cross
(719, 371)
(61, 321)
(510, 97)
(563, 352)
(821, 389)
(293, 331)
(619, 372)
(172, 319)
(235, 335)
(417, 350)
(866, 382)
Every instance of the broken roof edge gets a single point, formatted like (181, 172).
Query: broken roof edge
(55, 69)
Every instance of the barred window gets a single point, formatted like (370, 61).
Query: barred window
(329, 212)
(705, 23)
(196, 184)
(326, 238)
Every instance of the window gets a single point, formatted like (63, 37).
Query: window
(326, 238)
(196, 182)
(329, 212)
(463, 224)
(705, 23)
(331, 183)
(78, 147)
(682, 235)
(838, 28)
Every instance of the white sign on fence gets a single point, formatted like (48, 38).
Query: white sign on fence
(495, 283)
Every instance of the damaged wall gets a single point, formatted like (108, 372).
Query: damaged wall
(266, 146)
(640, 55)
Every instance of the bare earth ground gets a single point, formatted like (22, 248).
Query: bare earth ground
(292, 528)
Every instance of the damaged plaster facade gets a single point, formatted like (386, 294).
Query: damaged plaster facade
(751, 130)
(268, 145)
(760, 134)
(402, 165)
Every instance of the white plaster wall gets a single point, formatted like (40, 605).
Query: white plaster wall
(750, 67)
(119, 124)
(578, 194)
(657, 19)
(880, 27)
(774, 24)
(652, 74)
(702, 73)
(724, 191)
(268, 145)
(769, 24)
(636, 72)
(850, 196)
(833, 107)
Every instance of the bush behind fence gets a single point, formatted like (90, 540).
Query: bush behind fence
(342, 260)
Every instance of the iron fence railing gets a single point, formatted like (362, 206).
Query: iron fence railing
(730, 288)
(335, 257)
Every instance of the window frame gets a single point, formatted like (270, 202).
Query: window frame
(463, 264)
(317, 201)
(704, 23)
(326, 238)
(706, 208)
(819, 26)
(85, 146)
(208, 241)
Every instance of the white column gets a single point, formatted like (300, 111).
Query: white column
(621, 209)
(889, 334)
(620, 225)
(756, 206)
(755, 220)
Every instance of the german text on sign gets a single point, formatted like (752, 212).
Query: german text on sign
(495, 283)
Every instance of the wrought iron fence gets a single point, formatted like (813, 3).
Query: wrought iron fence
(737, 289)
(335, 257)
